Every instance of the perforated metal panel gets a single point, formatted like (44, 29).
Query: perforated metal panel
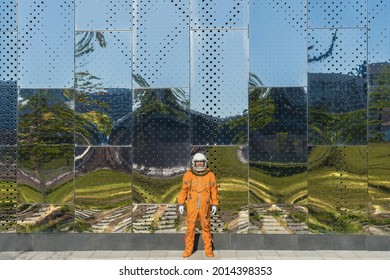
(8, 58)
(278, 45)
(337, 13)
(45, 116)
(8, 12)
(45, 218)
(161, 44)
(103, 60)
(219, 14)
(103, 117)
(46, 44)
(379, 173)
(103, 15)
(8, 113)
(229, 164)
(337, 87)
(103, 193)
(153, 218)
(278, 219)
(378, 41)
(8, 190)
(219, 87)
(161, 143)
(337, 185)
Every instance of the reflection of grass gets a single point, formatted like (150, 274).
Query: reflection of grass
(103, 189)
(61, 194)
(232, 197)
(379, 172)
(29, 194)
(267, 188)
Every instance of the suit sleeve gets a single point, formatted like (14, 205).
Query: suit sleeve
(214, 190)
(181, 199)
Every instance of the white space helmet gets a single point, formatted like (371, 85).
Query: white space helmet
(199, 157)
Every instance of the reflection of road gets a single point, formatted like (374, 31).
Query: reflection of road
(242, 154)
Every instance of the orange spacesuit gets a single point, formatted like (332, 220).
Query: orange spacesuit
(199, 192)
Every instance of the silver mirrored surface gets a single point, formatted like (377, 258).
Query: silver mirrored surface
(219, 87)
(103, 15)
(161, 47)
(278, 219)
(161, 143)
(8, 189)
(379, 110)
(8, 113)
(45, 218)
(8, 57)
(337, 13)
(103, 117)
(229, 164)
(46, 44)
(278, 45)
(45, 116)
(378, 40)
(156, 218)
(337, 188)
(103, 189)
(103, 60)
(337, 87)
(219, 14)
(8, 15)
(379, 219)
(379, 173)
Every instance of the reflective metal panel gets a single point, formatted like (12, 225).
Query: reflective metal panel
(219, 14)
(45, 116)
(278, 219)
(378, 41)
(8, 113)
(219, 87)
(337, 88)
(156, 218)
(379, 219)
(379, 173)
(337, 13)
(278, 45)
(45, 218)
(229, 164)
(103, 193)
(161, 47)
(7, 216)
(8, 56)
(103, 60)
(103, 117)
(46, 39)
(8, 17)
(101, 15)
(161, 143)
(337, 188)
(379, 111)
(8, 157)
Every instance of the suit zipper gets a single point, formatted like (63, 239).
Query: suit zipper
(198, 201)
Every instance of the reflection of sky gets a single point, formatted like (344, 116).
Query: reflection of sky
(379, 31)
(102, 15)
(278, 50)
(8, 51)
(45, 55)
(112, 64)
(337, 13)
(7, 15)
(231, 81)
(161, 47)
(348, 53)
(219, 14)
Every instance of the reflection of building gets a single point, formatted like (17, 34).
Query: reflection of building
(338, 92)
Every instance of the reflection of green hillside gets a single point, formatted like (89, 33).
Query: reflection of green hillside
(379, 172)
(272, 183)
(103, 189)
(29, 194)
(61, 194)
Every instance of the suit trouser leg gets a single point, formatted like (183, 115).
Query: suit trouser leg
(206, 231)
(189, 238)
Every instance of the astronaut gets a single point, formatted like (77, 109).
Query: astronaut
(200, 193)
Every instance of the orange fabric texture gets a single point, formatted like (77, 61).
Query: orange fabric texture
(198, 193)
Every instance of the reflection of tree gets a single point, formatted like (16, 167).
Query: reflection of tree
(262, 108)
(379, 101)
(326, 54)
